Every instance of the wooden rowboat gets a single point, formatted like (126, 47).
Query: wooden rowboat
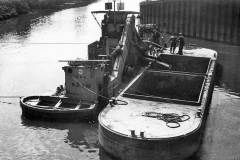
(55, 107)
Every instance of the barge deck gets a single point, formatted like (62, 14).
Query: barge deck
(164, 113)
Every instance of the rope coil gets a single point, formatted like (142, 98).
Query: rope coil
(115, 101)
(172, 119)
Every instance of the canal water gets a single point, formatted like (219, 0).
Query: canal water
(30, 47)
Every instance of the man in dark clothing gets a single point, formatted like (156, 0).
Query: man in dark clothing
(181, 44)
(156, 36)
(173, 41)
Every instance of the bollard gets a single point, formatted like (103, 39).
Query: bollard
(112, 102)
(199, 113)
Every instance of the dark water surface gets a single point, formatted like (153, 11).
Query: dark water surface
(29, 66)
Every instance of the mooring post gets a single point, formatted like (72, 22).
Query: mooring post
(142, 134)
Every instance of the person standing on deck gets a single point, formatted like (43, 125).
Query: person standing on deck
(181, 44)
(156, 36)
(173, 41)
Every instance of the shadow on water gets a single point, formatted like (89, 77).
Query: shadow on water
(79, 135)
(218, 75)
(22, 25)
(103, 155)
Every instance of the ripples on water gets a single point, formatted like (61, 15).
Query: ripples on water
(27, 68)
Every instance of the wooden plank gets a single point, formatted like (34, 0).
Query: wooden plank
(226, 19)
(168, 16)
(208, 23)
(212, 19)
(194, 17)
(229, 21)
(155, 14)
(170, 21)
(191, 11)
(91, 61)
(152, 14)
(174, 17)
(178, 16)
(164, 12)
(236, 30)
(233, 23)
(216, 25)
(58, 104)
(200, 19)
(221, 21)
(161, 16)
(238, 25)
(198, 4)
(203, 20)
(147, 14)
(189, 8)
(186, 18)
(181, 16)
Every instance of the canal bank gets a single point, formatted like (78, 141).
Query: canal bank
(13, 8)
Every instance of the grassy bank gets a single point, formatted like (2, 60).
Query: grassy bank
(13, 8)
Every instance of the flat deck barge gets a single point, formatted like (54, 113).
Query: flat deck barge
(161, 114)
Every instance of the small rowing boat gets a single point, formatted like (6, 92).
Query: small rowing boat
(55, 107)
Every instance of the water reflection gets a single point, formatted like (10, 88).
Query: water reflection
(22, 25)
(103, 155)
(227, 70)
(82, 136)
(230, 70)
(218, 74)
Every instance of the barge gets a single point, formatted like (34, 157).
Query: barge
(164, 110)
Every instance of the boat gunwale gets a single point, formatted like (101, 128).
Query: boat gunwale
(53, 110)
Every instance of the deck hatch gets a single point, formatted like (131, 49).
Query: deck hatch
(167, 86)
(187, 64)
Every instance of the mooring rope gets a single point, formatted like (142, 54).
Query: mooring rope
(9, 97)
(116, 101)
(172, 119)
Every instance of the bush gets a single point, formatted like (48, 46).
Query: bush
(21, 7)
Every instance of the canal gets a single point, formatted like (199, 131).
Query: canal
(30, 47)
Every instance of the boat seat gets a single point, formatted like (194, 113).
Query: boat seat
(79, 104)
(78, 107)
(103, 57)
(58, 104)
